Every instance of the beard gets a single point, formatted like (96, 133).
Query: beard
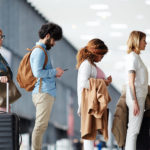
(48, 44)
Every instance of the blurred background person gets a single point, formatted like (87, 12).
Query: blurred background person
(77, 145)
(98, 144)
(5, 71)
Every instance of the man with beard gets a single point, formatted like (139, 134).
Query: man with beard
(43, 100)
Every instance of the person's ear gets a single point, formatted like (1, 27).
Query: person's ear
(48, 36)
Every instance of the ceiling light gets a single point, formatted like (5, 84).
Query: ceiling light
(147, 2)
(116, 34)
(93, 23)
(99, 6)
(119, 26)
(74, 26)
(104, 14)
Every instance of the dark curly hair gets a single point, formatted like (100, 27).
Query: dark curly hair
(53, 29)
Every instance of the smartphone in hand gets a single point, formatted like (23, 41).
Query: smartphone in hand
(65, 69)
(110, 79)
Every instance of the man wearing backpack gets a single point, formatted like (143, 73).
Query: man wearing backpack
(44, 92)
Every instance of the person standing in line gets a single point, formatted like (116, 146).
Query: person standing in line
(86, 59)
(137, 86)
(3, 78)
(43, 101)
(5, 70)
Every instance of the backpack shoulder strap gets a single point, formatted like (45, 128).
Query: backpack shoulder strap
(46, 57)
(45, 62)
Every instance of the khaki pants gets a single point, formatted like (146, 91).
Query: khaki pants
(43, 103)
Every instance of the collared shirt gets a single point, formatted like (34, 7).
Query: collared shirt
(47, 74)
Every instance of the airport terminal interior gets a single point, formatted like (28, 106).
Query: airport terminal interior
(81, 20)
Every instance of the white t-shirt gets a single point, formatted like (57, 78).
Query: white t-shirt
(134, 62)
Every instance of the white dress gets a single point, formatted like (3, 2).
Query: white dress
(135, 63)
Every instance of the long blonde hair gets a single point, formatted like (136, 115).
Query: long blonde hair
(94, 47)
(133, 42)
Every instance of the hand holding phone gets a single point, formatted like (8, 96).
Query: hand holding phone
(109, 79)
(59, 72)
(65, 69)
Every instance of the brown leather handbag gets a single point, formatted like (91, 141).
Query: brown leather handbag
(14, 93)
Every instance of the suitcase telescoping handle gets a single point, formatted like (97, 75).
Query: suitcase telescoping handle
(7, 97)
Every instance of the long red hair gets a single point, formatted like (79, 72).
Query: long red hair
(89, 52)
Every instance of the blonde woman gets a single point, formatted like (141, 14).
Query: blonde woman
(137, 86)
(93, 52)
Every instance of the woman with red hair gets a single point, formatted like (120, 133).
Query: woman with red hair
(87, 58)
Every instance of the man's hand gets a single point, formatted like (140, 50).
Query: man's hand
(59, 72)
(3, 79)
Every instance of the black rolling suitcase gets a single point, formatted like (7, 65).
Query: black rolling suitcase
(9, 128)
